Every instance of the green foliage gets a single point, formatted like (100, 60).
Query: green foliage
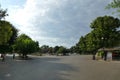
(91, 44)
(56, 48)
(105, 33)
(53, 50)
(107, 28)
(3, 13)
(23, 36)
(115, 4)
(82, 44)
(25, 45)
(4, 48)
(5, 32)
(75, 49)
(44, 49)
(8, 35)
(14, 36)
(62, 50)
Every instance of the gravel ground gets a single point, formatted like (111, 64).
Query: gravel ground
(59, 68)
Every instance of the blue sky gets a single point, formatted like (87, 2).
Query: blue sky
(55, 22)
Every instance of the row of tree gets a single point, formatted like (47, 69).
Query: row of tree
(57, 50)
(105, 33)
(11, 42)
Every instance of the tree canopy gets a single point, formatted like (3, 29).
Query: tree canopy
(105, 33)
(8, 34)
(3, 13)
(25, 45)
(106, 28)
(115, 4)
(62, 50)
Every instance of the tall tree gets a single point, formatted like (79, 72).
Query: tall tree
(92, 43)
(106, 28)
(105, 33)
(8, 34)
(82, 44)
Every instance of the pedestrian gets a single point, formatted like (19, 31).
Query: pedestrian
(105, 55)
(3, 57)
(13, 55)
(93, 56)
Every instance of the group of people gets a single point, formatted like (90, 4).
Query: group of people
(4, 55)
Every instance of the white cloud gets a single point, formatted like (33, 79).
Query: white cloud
(56, 22)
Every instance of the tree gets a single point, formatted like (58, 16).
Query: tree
(56, 48)
(8, 34)
(115, 4)
(44, 49)
(106, 28)
(105, 33)
(75, 49)
(62, 50)
(25, 45)
(82, 44)
(50, 51)
(3, 13)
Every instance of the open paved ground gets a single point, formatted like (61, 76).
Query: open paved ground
(59, 68)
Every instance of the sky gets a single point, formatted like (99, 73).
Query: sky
(55, 22)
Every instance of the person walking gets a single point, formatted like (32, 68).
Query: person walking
(13, 55)
(3, 57)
